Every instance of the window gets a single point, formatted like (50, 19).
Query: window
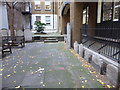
(116, 11)
(37, 5)
(47, 5)
(38, 18)
(48, 21)
(107, 11)
(85, 16)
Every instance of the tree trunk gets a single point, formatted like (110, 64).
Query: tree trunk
(12, 22)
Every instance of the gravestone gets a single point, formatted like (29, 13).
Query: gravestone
(4, 32)
(98, 64)
(112, 74)
(19, 33)
(68, 41)
(28, 35)
(76, 47)
(97, 60)
(87, 55)
(65, 38)
(81, 50)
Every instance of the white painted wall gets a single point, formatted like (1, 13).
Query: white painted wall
(43, 20)
(3, 16)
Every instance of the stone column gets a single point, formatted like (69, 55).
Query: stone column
(92, 18)
(76, 18)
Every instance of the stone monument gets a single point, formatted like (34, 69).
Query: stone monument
(68, 41)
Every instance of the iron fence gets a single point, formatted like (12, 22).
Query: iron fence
(106, 41)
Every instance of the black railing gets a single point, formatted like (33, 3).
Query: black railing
(113, 33)
(104, 42)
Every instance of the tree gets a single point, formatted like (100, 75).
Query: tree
(11, 5)
(39, 26)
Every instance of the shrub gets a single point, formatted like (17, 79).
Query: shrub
(39, 26)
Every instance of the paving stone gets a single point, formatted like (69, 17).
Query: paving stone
(34, 80)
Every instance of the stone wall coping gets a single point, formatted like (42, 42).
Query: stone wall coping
(103, 57)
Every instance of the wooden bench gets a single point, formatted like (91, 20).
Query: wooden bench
(5, 45)
(17, 40)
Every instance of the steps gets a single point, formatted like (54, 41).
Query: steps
(50, 40)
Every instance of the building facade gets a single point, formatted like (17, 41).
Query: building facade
(3, 16)
(96, 27)
(46, 12)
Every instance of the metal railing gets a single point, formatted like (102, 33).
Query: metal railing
(105, 42)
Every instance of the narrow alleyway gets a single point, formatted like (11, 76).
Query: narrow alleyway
(40, 65)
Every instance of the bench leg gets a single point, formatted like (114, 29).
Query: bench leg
(2, 53)
(10, 50)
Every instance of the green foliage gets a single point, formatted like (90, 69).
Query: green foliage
(39, 26)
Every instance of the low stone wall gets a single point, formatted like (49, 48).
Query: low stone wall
(42, 38)
(102, 64)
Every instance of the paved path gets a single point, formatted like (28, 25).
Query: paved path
(40, 65)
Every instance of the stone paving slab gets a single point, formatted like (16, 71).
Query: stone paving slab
(61, 68)
(34, 80)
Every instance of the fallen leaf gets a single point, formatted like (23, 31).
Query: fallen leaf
(17, 87)
(108, 86)
(83, 86)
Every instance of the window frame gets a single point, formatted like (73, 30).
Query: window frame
(37, 9)
(86, 15)
(49, 5)
(107, 10)
(38, 16)
(115, 20)
(113, 13)
(48, 20)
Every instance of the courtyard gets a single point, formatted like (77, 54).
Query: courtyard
(59, 44)
(50, 65)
